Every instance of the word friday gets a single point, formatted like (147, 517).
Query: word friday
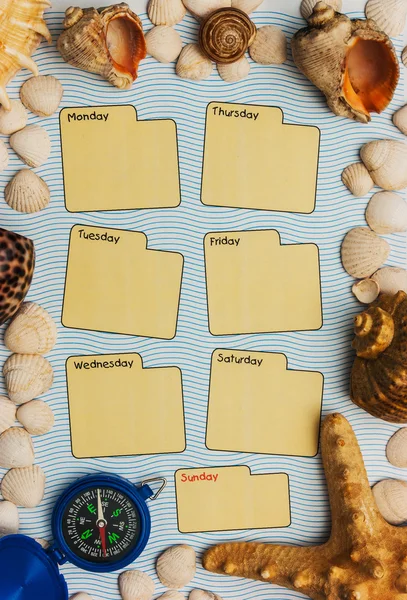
(106, 364)
(224, 241)
(239, 360)
(242, 114)
(202, 477)
(104, 237)
(88, 117)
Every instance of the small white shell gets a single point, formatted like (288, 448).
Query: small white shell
(203, 595)
(391, 280)
(193, 64)
(366, 290)
(24, 487)
(42, 95)
(203, 8)
(269, 46)
(32, 144)
(387, 213)
(3, 156)
(7, 413)
(27, 192)
(307, 6)
(81, 596)
(36, 416)
(386, 161)
(171, 595)
(136, 585)
(390, 15)
(247, 6)
(13, 120)
(236, 71)
(9, 521)
(363, 252)
(166, 12)
(404, 57)
(396, 450)
(391, 500)
(357, 179)
(176, 567)
(43, 543)
(400, 119)
(32, 330)
(164, 43)
(16, 448)
(27, 376)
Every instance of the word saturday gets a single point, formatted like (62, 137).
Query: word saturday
(242, 114)
(239, 360)
(88, 117)
(106, 364)
(202, 477)
(104, 237)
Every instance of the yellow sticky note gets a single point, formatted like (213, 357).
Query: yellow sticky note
(228, 498)
(111, 161)
(117, 408)
(257, 405)
(115, 283)
(253, 160)
(257, 285)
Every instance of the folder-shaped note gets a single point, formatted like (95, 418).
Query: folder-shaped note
(115, 283)
(253, 160)
(257, 405)
(117, 408)
(112, 161)
(257, 285)
(228, 498)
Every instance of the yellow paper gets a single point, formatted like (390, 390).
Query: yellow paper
(117, 408)
(257, 285)
(114, 283)
(111, 161)
(257, 405)
(253, 160)
(227, 498)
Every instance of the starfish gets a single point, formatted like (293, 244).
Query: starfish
(365, 557)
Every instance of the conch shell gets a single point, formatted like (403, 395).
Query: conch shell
(352, 62)
(226, 35)
(109, 43)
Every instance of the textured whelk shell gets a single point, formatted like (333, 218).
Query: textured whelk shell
(203, 595)
(366, 290)
(27, 192)
(164, 43)
(247, 6)
(387, 213)
(166, 12)
(32, 144)
(193, 64)
(307, 6)
(16, 448)
(24, 487)
(3, 156)
(136, 585)
(357, 179)
(390, 15)
(9, 521)
(400, 119)
(7, 413)
(14, 119)
(203, 8)
(269, 46)
(396, 450)
(236, 71)
(391, 500)
(363, 252)
(42, 95)
(36, 416)
(32, 330)
(386, 161)
(176, 567)
(391, 280)
(226, 34)
(172, 595)
(27, 376)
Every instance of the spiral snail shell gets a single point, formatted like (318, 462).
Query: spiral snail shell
(226, 35)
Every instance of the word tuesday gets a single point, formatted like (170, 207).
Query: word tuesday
(88, 117)
(239, 360)
(242, 114)
(104, 237)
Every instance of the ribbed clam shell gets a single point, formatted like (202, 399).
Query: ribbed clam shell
(203, 8)
(176, 567)
(13, 120)
(3, 156)
(247, 6)
(193, 64)
(166, 12)
(24, 487)
(396, 450)
(32, 330)
(400, 119)
(7, 413)
(386, 161)
(391, 280)
(32, 144)
(136, 585)
(269, 46)
(391, 500)
(363, 252)
(236, 71)
(81, 596)
(172, 595)
(36, 416)
(366, 290)
(357, 179)
(390, 15)
(27, 376)
(404, 57)
(307, 6)
(42, 95)
(164, 43)
(16, 448)
(387, 213)
(203, 595)
(9, 521)
(27, 192)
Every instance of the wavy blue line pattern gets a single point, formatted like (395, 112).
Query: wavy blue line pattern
(159, 94)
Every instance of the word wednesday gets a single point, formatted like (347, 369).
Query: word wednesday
(106, 364)
(202, 477)
(242, 114)
(240, 360)
(88, 117)
(104, 237)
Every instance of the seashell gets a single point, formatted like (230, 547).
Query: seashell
(247, 6)
(81, 596)
(203, 8)
(43, 543)
(366, 290)
(16, 448)
(42, 95)
(164, 44)
(386, 161)
(7, 413)
(226, 34)
(390, 15)
(352, 62)
(109, 43)
(172, 595)
(193, 64)
(396, 450)
(357, 179)
(176, 567)
(363, 252)
(32, 330)
(400, 119)
(14, 119)
(203, 595)
(387, 213)
(27, 192)
(24, 487)
(307, 6)
(32, 144)
(236, 71)
(166, 12)
(136, 585)
(36, 417)
(9, 520)
(27, 376)
(391, 500)
(404, 57)
(269, 46)
(391, 280)
(3, 156)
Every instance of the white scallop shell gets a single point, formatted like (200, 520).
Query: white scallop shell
(13, 120)
(363, 252)
(42, 95)
(400, 119)
(396, 450)
(24, 487)
(136, 585)
(247, 6)
(203, 8)
(366, 290)
(404, 57)
(176, 567)
(357, 179)
(7, 413)
(32, 144)
(391, 500)
(43, 543)
(193, 64)
(32, 330)
(307, 6)
(166, 12)
(16, 448)
(390, 15)
(164, 43)
(171, 595)
(236, 71)
(9, 521)
(27, 192)
(391, 280)
(269, 46)
(81, 596)
(27, 376)
(386, 161)
(36, 417)
(203, 595)
(387, 213)
(3, 156)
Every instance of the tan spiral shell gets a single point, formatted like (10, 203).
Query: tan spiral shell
(226, 35)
